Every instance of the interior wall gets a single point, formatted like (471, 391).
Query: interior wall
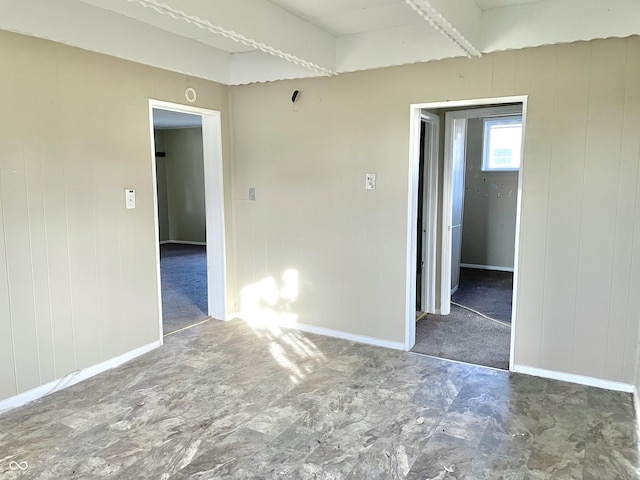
(78, 281)
(490, 205)
(184, 177)
(576, 310)
(161, 181)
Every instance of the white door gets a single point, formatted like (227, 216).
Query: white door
(459, 139)
(429, 211)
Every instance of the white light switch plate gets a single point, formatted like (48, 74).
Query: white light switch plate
(370, 181)
(130, 197)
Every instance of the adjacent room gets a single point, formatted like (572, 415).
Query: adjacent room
(481, 154)
(237, 290)
(181, 218)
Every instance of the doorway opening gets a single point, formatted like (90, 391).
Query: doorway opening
(189, 215)
(465, 218)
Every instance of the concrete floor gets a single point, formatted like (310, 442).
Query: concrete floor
(225, 400)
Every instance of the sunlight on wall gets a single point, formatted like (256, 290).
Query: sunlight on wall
(265, 302)
(267, 306)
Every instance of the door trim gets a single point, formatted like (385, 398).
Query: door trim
(414, 160)
(430, 214)
(214, 206)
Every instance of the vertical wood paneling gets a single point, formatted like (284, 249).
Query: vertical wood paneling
(569, 269)
(569, 122)
(599, 207)
(77, 270)
(8, 385)
(626, 283)
(8, 381)
(38, 152)
(21, 295)
(535, 206)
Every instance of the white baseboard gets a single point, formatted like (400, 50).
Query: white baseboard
(487, 267)
(328, 332)
(73, 378)
(636, 404)
(183, 242)
(573, 378)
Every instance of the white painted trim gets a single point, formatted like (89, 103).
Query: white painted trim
(164, 242)
(573, 378)
(184, 242)
(412, 229)
(516, 250)
(636, 404)
(214, 207)
(486, 267)
(414, 111)
(329, 332)
(430, 213)
(215, 219)
(74, 377)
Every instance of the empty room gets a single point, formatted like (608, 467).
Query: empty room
(237, 292)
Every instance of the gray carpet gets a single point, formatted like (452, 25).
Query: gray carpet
(464, 336)
(183, 272)
(486, 291)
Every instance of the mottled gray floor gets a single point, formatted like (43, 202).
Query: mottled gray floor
(224, 400)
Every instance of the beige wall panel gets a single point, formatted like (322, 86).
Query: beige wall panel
(624, 301)
(505, 67)
(361, 120)
(8, 386)
(568, 138)
(599, 205)
(76, 131)
(8, 130)
(490, 203)
(185, 184)
(535, 207)
(19, 265)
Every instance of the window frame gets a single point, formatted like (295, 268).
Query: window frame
(487, 123)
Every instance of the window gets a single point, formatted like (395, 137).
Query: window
(502, 143)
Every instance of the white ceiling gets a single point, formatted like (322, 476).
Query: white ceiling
(244, 41)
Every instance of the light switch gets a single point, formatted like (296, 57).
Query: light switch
(370, 181)
(130, 197)
(252, 193)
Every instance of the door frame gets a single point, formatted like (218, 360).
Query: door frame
(428, 237)
(415, 111)
(214, 206)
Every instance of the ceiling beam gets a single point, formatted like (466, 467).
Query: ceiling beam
(458, 21)
(560, 21)
(258, 24)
